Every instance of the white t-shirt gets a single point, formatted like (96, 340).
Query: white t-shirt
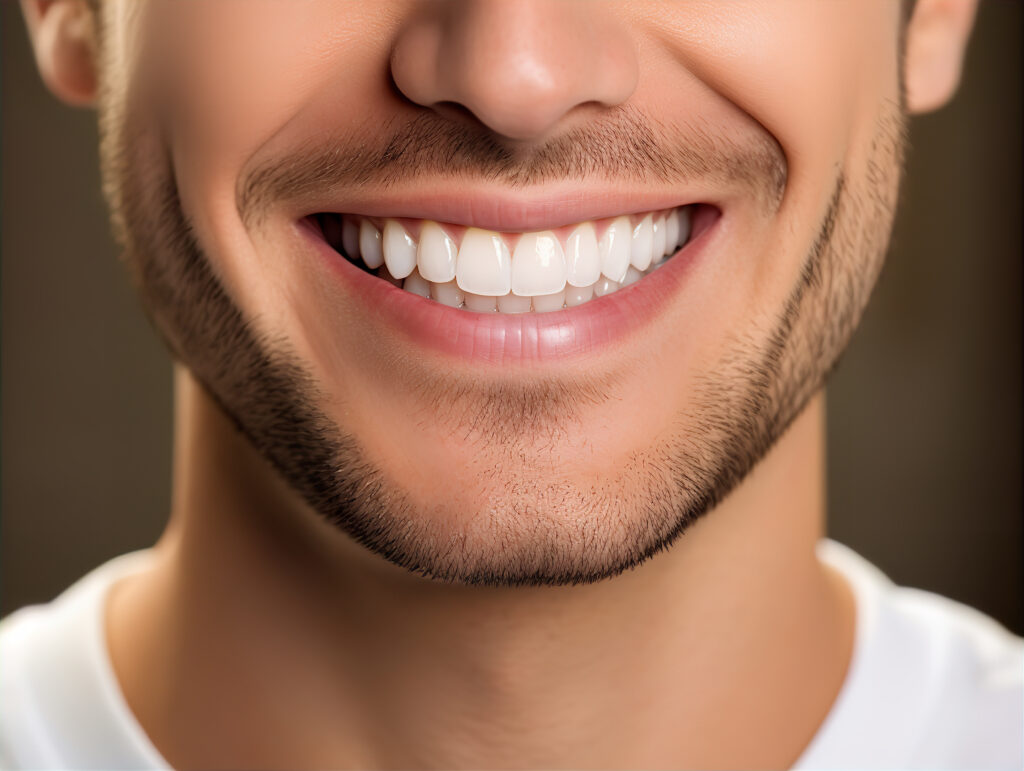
(933, 683)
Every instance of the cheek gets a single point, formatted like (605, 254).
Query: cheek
(224, 78)
(816, 75)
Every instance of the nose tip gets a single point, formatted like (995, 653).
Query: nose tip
(518, 66)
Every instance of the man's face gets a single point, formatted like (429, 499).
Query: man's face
(242, 139)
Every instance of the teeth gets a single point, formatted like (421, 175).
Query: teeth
(643, 242)
(481, 303)
(484, 265)
(658, 252)
(350, 238)
(614, 248)
(437, 253)
(632, 276)
(399, 250)
(538, 265)
(448, 293)
(582, 260)
(546, 302)
(542, 274)
(416, 284)
(683, 215)
(513, 303)
(605, 286)
(369, 245)
(577, 295)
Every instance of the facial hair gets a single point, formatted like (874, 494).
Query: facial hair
(737, 411)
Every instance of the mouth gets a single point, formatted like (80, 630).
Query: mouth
(501, 296)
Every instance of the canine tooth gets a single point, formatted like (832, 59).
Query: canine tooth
(484, 265)
(643, 242)
(369, 245)
(577, 295)
(447, 293)
(684, 225)
(513, 303)
(399, 249)
(658, 251)
(582, 261)
(548, 302)
(614, 248)
(538, 265)
(350, 238)
(437, 253)
(416, 284)
(605, 286)
(632, 276)
(481, 303)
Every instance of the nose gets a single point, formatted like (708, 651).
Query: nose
(520, 67)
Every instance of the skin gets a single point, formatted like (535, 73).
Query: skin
(519, 606)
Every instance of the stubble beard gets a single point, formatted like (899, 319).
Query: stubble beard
(536, 531)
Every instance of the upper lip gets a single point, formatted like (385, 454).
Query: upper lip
(500, 209)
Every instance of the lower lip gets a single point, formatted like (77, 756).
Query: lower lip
(525, 338)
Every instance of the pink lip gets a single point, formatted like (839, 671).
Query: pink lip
(529, 338)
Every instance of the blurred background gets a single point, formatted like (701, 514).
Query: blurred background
(924, 411)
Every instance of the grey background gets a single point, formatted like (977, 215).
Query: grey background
(924, 412)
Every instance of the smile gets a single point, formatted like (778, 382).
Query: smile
(485, 271)
(514, 298)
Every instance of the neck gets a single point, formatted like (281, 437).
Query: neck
(294, 647)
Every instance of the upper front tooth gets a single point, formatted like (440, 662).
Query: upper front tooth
(399, 250)
(437, 254)
(369, 245)
(614, 248)
(538, 265)
(643, 242)
(484, 265)
(582, 262)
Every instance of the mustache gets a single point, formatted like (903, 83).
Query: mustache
(623, 144)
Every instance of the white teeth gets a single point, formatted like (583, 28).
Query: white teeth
(684, 225)
(399, 250)
(484, 265)
(582, 260)
(437, 253)
(605, 286)
(350, 238)
(671, 231)
(538, 265)
(448, 293)
(481, 303)
(614, 248)
(513, 303)
(577, 295)
(546, 302)
(369, 245)
(643, 242)
(481, 274)
(416, 284)
(632, 276)
(658, 252)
